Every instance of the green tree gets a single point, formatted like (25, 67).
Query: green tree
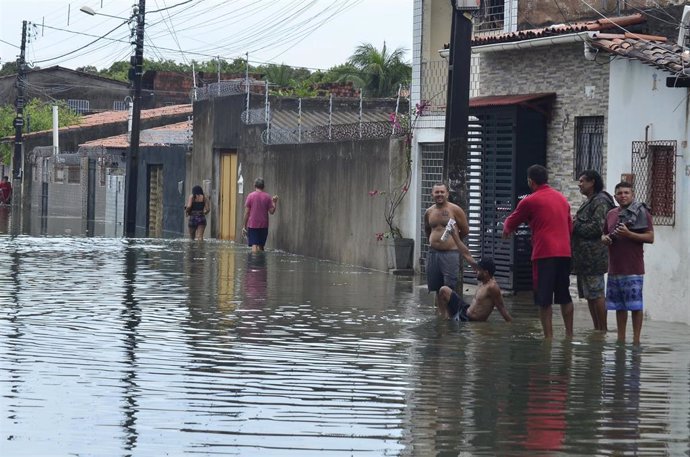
(88, 69)
(41, 115)
(377, 72)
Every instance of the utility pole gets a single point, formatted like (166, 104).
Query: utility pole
(132, 175)
(458, 100)
(19, 119)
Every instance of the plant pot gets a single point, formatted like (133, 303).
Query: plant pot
(399, 252)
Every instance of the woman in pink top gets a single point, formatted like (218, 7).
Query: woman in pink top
(257, 207)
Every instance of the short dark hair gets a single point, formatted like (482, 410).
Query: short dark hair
(441, 184)
(624, 184)
(259, 183)
(538, 174)
(593, 175)
(487, 264)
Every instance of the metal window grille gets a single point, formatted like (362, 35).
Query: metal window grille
(78, 106)
(490, 16)
(654, 178)
(589, 144)
(432, 172)
(119, 105)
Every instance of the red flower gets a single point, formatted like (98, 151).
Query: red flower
(373, 192)
(379, 236)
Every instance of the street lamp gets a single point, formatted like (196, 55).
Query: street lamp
(137, 61)
(90, 11)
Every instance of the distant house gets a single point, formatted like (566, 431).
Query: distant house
(85, 93)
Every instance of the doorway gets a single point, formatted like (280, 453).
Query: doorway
(227, 198)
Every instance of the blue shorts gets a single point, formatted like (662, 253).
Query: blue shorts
(457, 308)
(442, 269)
(257, 236)
(624, 293)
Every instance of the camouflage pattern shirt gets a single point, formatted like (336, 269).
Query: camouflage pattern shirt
(590, 256)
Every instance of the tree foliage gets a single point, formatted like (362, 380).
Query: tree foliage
(377, 72)
(38, 115)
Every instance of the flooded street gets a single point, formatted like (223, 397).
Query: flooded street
(111, 347)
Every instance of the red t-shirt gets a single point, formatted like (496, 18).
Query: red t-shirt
(626, 257)
(259, 203)
(548, 214)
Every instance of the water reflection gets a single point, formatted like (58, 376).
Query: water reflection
(4, 219)
(154, 347)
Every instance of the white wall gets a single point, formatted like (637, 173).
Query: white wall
(639, 97)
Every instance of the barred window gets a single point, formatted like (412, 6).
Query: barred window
(654, 178)
(78, 106)
(589, 144)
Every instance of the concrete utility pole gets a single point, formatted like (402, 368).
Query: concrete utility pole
(132, 175)
(19, 119)
(457, 103)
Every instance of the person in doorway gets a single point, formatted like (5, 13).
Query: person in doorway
(5, 191)
(197, 208)
(445, 225)
(626, 230)
(590, 256)
(487, 297)
(547, 212)
(257, 208)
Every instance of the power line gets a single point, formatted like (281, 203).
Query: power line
(79, 49)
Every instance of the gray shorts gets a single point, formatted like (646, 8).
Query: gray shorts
(442, 269)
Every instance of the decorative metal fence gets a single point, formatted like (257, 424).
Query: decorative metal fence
(325, 133)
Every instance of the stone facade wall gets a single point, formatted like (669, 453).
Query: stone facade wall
(582, 89)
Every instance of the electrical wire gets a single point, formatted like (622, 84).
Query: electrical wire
(82, 47)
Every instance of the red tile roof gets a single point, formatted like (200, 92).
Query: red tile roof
(655, 51)
(112, 117)
(615, 23)
(122, 141)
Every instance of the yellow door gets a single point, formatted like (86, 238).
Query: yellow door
(228, 195)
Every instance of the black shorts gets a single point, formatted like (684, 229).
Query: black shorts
(551, 280)
(457, 308)
(257, 236)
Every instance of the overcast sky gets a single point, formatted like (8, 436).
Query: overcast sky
(316, 34)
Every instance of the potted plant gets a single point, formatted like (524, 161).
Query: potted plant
(400, 250)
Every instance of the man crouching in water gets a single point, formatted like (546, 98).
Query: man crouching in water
(487, 296)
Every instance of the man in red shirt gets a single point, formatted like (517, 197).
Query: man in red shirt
(626, 230)
(547, 212)
(257, 207)
(5, 191)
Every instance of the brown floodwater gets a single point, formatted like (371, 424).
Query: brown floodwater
(111, 347)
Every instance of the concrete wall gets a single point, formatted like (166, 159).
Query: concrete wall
(636, 101)
(325, 210)
(581, 87)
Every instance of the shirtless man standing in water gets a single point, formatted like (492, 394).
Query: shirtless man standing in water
(443, 258)
(487, 297)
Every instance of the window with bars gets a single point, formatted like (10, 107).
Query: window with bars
(589, 144)
(73, 175)
(654, 178)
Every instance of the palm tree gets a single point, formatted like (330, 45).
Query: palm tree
(377, 72)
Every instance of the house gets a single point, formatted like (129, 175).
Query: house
(85, 93)
(52, 180)
(648, 117)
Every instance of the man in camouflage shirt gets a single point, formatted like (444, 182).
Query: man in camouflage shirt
(590, 257)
